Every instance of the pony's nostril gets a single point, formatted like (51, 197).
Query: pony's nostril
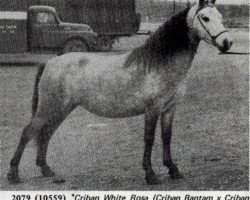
(226, 43)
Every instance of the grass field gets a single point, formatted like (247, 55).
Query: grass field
(210, 141)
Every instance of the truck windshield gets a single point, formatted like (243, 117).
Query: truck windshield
(44, 17)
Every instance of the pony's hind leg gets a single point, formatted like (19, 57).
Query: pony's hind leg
(42, 146)
(41, 128)
(29, 132)
(150, 125)
(166, 128)
(58, 115)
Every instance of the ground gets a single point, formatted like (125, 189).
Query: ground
(210, 140)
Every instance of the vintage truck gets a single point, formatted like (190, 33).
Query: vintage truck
(110, 19)
(40, 28)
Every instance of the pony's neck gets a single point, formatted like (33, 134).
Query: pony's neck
(171, 38)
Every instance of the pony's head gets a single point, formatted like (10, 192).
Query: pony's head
(205, 23)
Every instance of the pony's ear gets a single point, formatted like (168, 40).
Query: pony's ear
(213, 1)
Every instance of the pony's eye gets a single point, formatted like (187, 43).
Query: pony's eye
(206, 19)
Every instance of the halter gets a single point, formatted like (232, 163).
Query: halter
(213, 37)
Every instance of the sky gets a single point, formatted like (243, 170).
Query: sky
(218, 1)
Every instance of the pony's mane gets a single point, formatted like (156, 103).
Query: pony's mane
(169, 38)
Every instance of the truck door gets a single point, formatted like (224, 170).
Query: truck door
(43, 25)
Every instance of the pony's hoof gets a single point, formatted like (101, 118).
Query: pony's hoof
(175, 173)
(47, 172)
(151, 179)
(13, 178)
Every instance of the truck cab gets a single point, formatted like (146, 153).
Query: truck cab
(45, 30)
(40, 28)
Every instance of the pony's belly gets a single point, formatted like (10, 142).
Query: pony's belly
(114, 112)
(113, 108)
(106, 106)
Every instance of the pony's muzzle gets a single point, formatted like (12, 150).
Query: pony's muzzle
(226, 45)
(224, 42)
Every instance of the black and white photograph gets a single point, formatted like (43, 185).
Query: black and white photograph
(124, 95)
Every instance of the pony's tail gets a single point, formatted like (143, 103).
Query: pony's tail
(35, 94)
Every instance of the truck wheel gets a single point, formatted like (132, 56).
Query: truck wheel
(105, 43)
(75, 46)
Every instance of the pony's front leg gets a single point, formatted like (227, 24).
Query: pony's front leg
(166, 128)
(150, 125)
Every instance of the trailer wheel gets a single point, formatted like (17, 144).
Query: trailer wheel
(105, 43)
(75, 45)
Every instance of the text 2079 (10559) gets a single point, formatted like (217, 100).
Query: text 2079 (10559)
(50, 197)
